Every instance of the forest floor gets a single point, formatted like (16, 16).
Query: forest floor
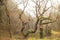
(55, 36)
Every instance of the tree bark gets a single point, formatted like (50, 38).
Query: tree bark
(41, 32)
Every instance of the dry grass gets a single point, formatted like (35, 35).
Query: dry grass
(55, 36)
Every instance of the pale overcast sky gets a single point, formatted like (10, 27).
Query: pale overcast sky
(30, 7)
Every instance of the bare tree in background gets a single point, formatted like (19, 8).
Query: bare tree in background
(25, 3)
(1, 4)
(5, 10)
(40, 10)
(39, 15)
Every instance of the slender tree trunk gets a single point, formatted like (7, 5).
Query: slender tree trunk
(49, 32)
(0, 13)
(10, 33)
(41, 32)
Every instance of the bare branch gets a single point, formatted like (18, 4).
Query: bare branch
(44, 9)
(23, 9)
(31, 31)
(48, 22)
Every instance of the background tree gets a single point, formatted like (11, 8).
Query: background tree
(40, 16)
